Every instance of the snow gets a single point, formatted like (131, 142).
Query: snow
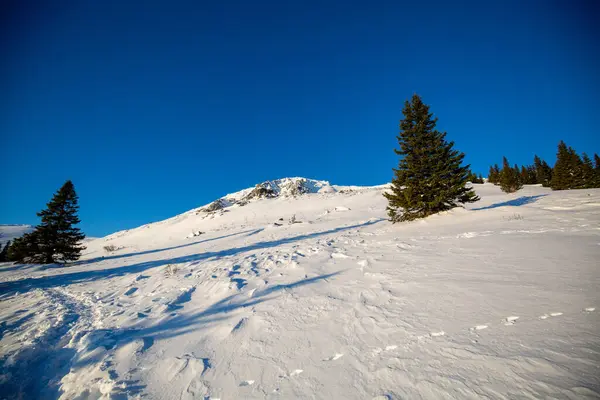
(496, 301)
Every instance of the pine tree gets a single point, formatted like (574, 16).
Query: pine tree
(510, 180)
(587, 172)
(4, 252)
(25, 249)
(524, 175)
(562, 177)
(494, 174)
(543, 172)
(429, 177)
(58, 237)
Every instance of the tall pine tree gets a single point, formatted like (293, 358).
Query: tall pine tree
(596, 171)
(430, 176)
(58, 238)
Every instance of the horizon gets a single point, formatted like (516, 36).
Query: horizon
(158, 109)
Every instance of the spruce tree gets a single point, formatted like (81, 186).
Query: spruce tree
(587, 172)
(58, 238)
(494, 174)
(543, 172)
(430, 177)
(510, 180)
(562, 177)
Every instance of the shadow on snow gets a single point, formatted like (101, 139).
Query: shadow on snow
(521, 201)
(25, 285)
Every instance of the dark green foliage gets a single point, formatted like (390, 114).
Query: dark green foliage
(510, 177)
(494, 174)
(473, 178)
(4, 252)
(55, 238)
(543, 172)
(25, 249)
(568, 171)
(588, 175)
(430, 177)
(528, 175)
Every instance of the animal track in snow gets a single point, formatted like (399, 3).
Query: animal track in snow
(334, 357)
(339, 255)
(510, 320)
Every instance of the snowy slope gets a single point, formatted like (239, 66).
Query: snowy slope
(495, 301)
(11, 232)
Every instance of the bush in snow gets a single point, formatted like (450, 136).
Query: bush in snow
(110, 248)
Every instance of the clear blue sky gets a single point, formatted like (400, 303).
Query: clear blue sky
(153, 108)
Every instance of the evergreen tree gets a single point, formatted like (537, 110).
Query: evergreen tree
(58, 238)
(510, 180)
(4, 252)
(473, 178)
(524, 175)
(562, 176)
(429, 177)
(494, 174)
(543, 172)
(587, 172)
(576, 167)
(25, 249)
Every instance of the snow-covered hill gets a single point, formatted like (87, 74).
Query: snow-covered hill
(294, 293)
(11, 232)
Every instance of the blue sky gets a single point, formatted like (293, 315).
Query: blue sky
(153, 108)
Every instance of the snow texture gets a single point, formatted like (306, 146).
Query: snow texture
(471, 303)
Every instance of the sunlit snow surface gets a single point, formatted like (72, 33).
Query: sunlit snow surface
(495, 301)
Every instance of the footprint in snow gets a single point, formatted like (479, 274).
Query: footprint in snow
(247, 383)
(334, 357)
(554, 314)
(130, 291)
(479, 327)
(510, 320)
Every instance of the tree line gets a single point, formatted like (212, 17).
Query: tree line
(431, 177)
(570, 171)
(55, 239)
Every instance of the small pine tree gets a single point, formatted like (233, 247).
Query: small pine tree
(510, 180)
(543, 172)
(524, 175)
(58, 237)
(4, 252)
(430, 177)
(25, 249)
(494, 174)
